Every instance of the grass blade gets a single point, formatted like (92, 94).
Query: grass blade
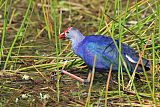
(91, 83)
(17, 35)
(4, 31)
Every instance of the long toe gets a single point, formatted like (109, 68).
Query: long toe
(86, 82)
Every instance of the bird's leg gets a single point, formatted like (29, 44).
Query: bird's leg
(89, 77)
(73, 76)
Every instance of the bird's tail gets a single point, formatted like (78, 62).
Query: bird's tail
(146, 64)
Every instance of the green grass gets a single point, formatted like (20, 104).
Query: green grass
(29, 46)
(16, 36)
(90, 85)
(4, 31)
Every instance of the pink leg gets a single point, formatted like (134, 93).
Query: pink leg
(89, 76)
(73, 76)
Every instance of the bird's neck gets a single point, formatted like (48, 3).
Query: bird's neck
(76, 41)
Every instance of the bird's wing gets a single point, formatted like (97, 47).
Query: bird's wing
(105, 54)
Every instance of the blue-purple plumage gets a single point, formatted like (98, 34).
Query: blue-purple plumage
(105, 50)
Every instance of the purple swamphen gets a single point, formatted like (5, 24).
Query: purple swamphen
(86, 47)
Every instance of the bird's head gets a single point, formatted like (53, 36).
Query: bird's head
(70, 33)
(65, 34)
(73, 35)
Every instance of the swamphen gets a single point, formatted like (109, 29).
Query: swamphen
(86, 47)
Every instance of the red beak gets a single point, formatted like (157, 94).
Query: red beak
(62, 36)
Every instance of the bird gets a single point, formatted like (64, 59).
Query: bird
(104, 48)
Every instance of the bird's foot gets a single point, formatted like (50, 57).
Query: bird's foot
(54, 74)
(86, 82)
